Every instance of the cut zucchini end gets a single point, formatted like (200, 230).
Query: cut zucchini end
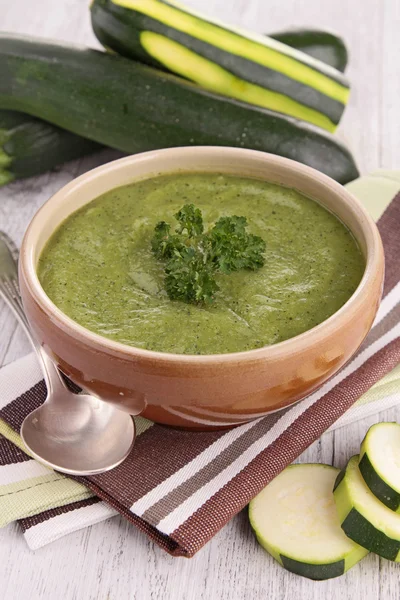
(5, 159)
(380, 463)
(4, 136)
(5, 177)
(294, 519)
(364, 518)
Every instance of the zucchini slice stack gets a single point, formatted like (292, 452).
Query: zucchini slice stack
(367, 493)
(318, 522)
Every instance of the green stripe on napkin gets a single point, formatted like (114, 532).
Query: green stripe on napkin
(30, 496)
(376, 191)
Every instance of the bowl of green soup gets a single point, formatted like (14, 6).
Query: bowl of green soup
(201, 287)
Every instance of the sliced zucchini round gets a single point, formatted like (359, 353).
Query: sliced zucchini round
(364, 518)
(380, 463)
(295, 520)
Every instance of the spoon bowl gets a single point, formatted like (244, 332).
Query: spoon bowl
(78, 433)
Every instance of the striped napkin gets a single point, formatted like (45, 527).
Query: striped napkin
(179, 487)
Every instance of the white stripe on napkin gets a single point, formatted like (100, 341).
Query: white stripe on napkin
(18, 377)
(22, 471)
(388, 303)
(356, 413)
(190, 468)
(48, 531)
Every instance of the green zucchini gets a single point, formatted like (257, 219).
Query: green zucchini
(295, 520)
(321, 45)
(29, 146)
(364, 518)
(249, 67)
(380, 463)
(134, 108)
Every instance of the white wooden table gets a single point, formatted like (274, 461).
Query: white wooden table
(112, 560)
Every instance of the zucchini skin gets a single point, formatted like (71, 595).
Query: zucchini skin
(315, 572)
(378, 487)
(122, 28)
(134, 108)
(368, 536)
(371, 468)
(355, 525)
(29, 146)
(322, 45)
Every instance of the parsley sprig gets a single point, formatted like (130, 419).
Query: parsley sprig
(192, 256)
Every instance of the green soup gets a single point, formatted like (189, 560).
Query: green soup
(99, 269)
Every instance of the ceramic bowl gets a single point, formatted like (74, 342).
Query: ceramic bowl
(213, 391)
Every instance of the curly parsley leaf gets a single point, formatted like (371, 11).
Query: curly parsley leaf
(193, 257)
(233, 248)
(190, 220)
(190, 279)
(163, 243)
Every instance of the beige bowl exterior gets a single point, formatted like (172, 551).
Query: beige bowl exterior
(202, 392)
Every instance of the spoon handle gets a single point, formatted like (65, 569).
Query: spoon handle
(9, 290)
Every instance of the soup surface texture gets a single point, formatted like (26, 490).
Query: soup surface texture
(99, 269)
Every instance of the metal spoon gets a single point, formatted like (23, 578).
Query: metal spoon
(77, 434)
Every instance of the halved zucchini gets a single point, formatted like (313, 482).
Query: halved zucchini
(295, 520)
(380, 463)
(230, 61)
(364, 518)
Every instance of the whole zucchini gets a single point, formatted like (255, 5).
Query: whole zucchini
(322, 45)
(132, 107)
(29, 146)
(232, 62)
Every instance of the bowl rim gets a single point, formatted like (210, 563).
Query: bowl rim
(325, 328)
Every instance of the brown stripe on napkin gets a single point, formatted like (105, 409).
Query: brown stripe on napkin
(180, 487)
(46, 515)
(15, 412)
(171, 501)
(159, 453)
(164, 541)
(383, 327)
(10, 454)
(389, 228)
